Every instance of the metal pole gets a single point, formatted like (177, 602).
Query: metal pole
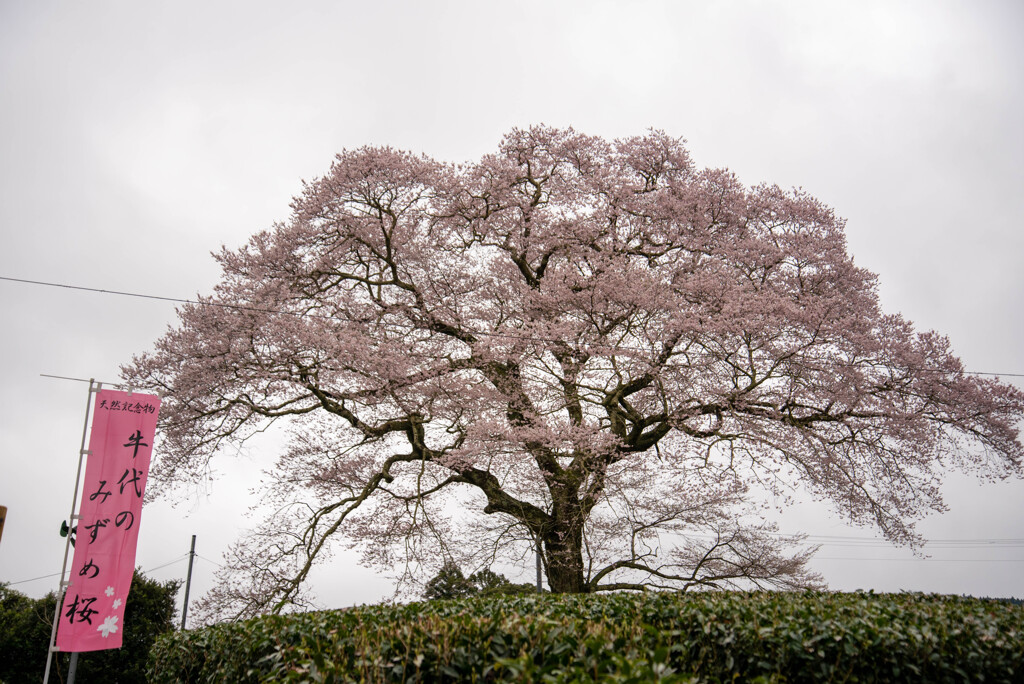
(73, 668)
(82, 453)
(188, 582)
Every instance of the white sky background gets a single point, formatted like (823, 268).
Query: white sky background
(136, 138)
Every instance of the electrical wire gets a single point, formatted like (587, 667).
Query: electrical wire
(849, 541)
(306, 314)
(57, 574)
(822, 540)
(219, 565)
(967, 543)
(919, 560)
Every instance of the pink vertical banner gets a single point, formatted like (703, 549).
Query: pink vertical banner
(120, 445)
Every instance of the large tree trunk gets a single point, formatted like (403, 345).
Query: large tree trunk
(563, 542)
(563, 561)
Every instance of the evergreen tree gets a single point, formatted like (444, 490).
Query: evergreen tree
(25, 626)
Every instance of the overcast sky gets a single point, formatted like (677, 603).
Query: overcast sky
(136, 138)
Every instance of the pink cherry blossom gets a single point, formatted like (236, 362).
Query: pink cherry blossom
(591, 345)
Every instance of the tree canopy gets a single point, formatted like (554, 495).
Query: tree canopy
(589, 344)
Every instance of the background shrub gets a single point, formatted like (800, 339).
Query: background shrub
(25, 626)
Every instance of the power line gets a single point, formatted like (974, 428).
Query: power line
(176, 300)
(65, 377)
(173, 562)
(57, 574)
(920, 560)
(306, 314)
(841, 540)
(851, 541)
(875, 542)
(33, 579)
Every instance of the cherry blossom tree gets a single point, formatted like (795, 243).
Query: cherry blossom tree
(588, 347)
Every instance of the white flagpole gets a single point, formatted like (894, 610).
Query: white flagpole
(82, 453)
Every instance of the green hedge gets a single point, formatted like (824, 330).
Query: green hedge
(713, 637)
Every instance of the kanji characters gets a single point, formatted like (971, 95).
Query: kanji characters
(124, 481)
(84, 613)
(136, 441)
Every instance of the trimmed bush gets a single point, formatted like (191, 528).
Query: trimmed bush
(713, 637)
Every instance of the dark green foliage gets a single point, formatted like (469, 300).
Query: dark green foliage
(714, 637)
(25, 626)
(450, 583)
(489, 583)
(24, 634)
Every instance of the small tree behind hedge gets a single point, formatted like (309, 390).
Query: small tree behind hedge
(450, 583)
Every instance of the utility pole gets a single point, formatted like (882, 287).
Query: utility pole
(188, 582)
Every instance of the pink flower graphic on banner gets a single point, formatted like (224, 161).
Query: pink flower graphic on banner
(109, 625)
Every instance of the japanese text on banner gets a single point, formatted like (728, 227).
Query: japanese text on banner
(120, 445)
